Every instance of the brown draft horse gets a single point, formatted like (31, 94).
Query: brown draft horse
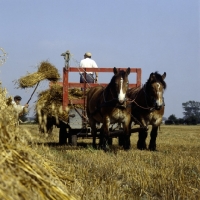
(107, 105)
(148, 108)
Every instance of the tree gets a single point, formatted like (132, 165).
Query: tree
(191, 110)
(192, 120)
(172, 118)
(180, 121)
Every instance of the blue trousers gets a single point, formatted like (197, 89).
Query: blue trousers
(89, 78)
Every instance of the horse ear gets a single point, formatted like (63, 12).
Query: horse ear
(128, 71)
(115, 70)
(164, 75)
(151, 77)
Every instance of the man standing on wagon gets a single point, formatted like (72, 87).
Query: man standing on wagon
(87, 62)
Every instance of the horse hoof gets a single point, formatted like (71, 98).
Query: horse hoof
(126, 148)
(105, 148)
(142, 148)
(152, 149)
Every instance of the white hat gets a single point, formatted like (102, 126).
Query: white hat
(88, 54)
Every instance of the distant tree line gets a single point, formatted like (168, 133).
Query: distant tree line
(191, 114)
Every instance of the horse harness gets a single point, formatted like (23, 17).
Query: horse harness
(151, 109)
(110, 103)
(148, 108)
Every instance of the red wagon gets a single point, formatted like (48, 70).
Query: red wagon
(77, 124)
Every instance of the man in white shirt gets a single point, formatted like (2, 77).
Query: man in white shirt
(21, 110)
(87, 62)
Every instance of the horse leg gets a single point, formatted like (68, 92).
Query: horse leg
(154, 133)
(94, 139)
(126, 142)
(106, 133)
(92, 123)
(141, 144)
(101, 137)
(62, 133)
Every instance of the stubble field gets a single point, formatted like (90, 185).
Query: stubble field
(173, 172)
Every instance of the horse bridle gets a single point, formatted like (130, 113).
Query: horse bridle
(113, 99)
(146, 108)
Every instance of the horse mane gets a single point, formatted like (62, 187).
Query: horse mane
(157, 78)
(132, 92)
(122, 72)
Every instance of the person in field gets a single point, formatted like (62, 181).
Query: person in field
(20, 110)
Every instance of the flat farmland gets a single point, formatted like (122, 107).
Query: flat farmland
(172, 172)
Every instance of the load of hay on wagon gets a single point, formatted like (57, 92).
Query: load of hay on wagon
(48, 108)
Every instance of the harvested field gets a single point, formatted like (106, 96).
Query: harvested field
(171, 173)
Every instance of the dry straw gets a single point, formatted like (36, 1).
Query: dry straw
(24, 174)
(45, 71)
(49, 106)
(49, 103)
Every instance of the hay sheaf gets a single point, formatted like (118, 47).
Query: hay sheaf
(24, 174)
(49, 104)
(50, 101)
(45, 71)
(8, 116)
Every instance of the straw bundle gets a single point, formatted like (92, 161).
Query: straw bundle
(8, 116)
(24, 174)
(49, 110)
(50, 102)
(45, 71)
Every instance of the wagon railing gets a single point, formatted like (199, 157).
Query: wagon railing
(67, 85)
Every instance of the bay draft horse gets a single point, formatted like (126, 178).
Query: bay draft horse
(107, 105)
(148, 108)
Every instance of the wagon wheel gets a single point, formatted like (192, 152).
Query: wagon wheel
(72, 137)
(73, 140)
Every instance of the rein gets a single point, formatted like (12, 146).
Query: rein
(145, 108)
(105, 98)
(108, 103)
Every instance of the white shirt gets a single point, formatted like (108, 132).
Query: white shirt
(88, 63)
(18, 108)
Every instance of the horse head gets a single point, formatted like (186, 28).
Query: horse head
(155, 87)
(120, 84)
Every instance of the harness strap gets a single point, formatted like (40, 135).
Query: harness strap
(107, 104)
(146, 108)
(138, 122)
(133, 101)
(81, 115)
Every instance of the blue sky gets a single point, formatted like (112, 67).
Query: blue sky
(153, 35)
